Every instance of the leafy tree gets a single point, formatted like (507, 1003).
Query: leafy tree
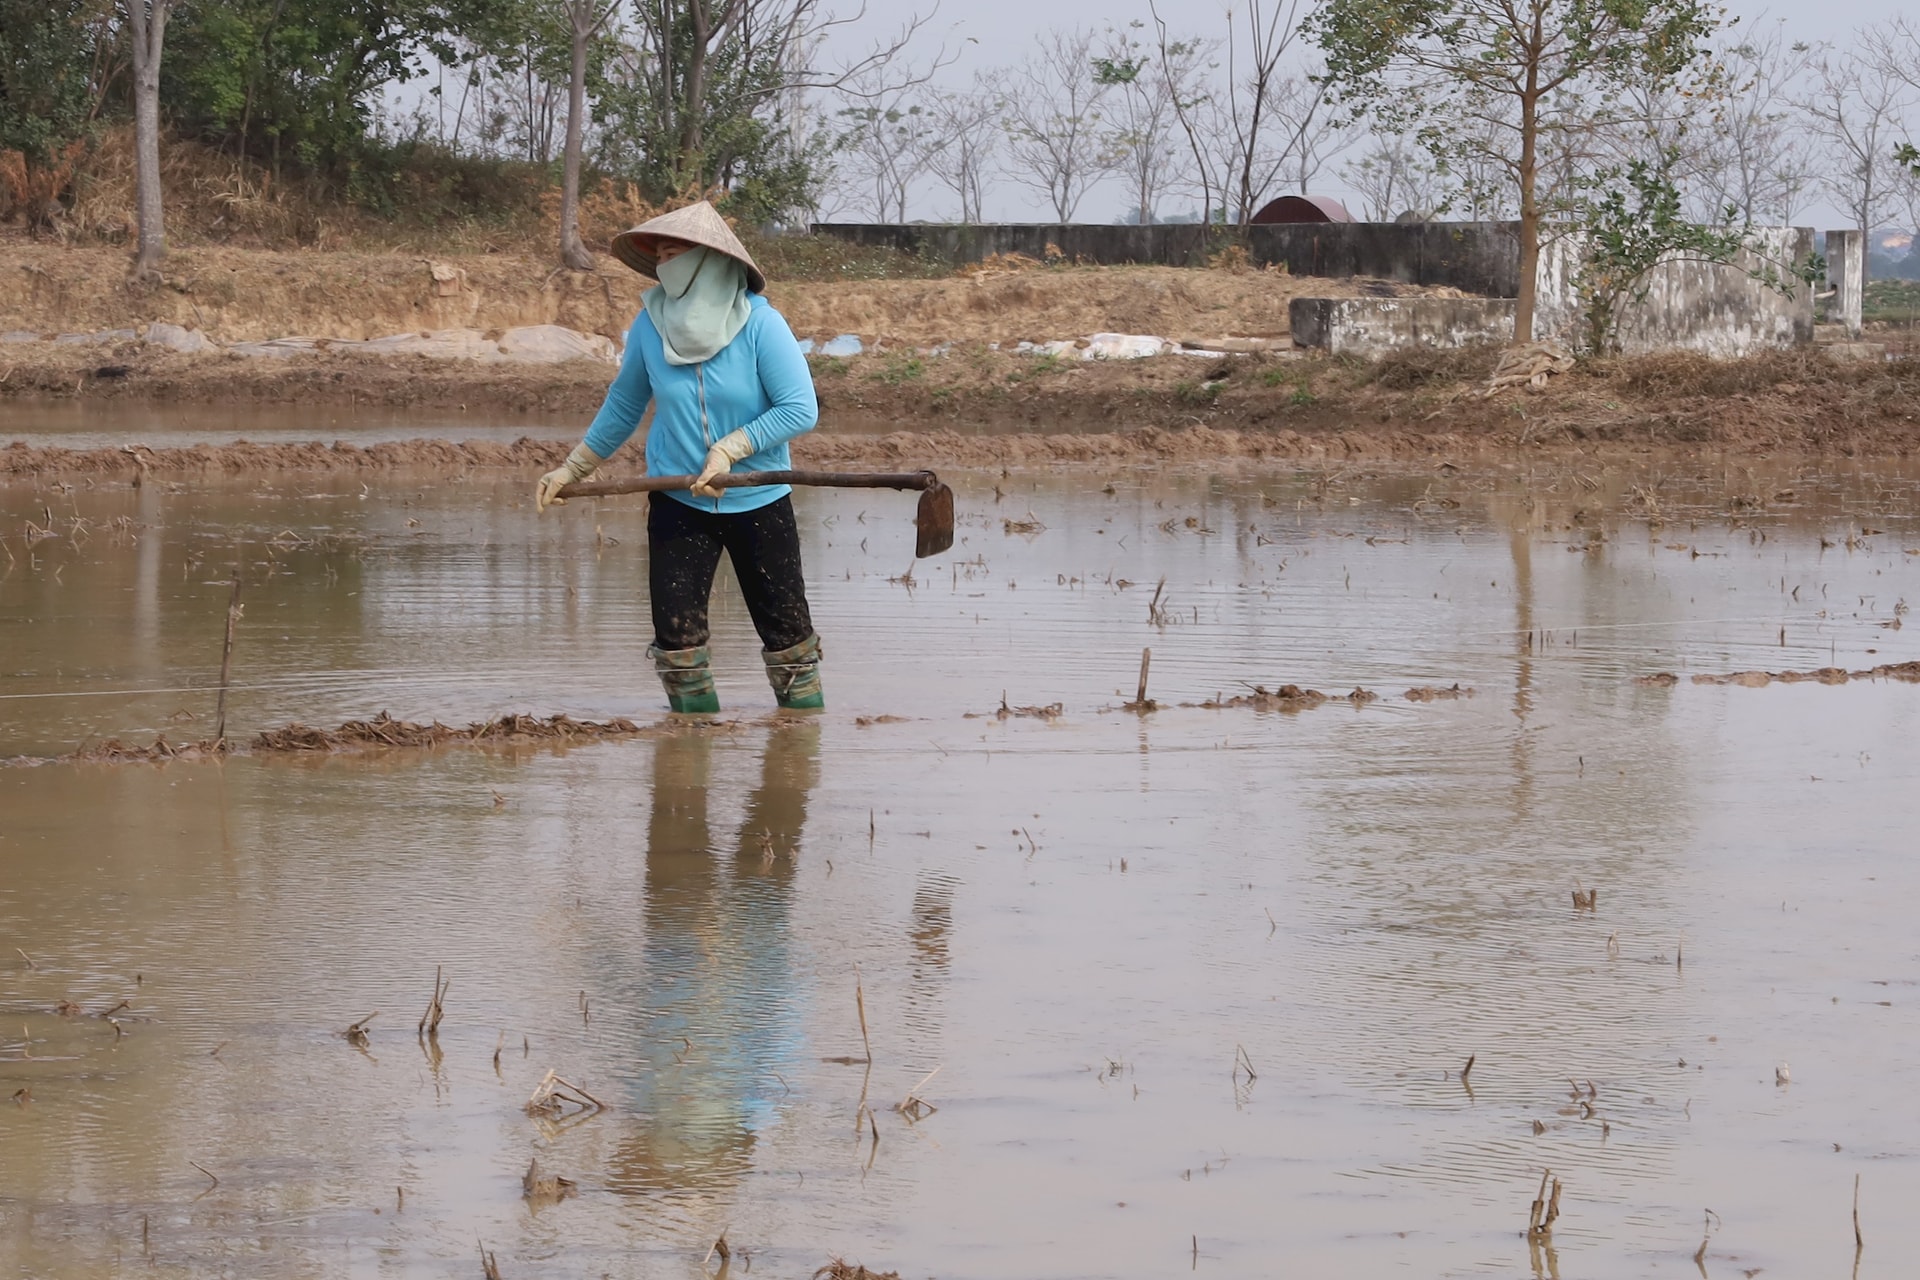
(273, 78)
(1430, 66)
(47, 50)
(710, 94)
(52, 55)
(1630, 221)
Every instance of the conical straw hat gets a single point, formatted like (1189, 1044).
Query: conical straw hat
(699, 224)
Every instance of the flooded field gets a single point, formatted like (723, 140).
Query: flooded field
(1195, 987)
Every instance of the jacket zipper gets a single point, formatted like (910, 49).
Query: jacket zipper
(706, 428)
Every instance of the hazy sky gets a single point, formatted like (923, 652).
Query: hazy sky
(990, 33)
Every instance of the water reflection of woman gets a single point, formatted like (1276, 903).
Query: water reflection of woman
(721, 1020)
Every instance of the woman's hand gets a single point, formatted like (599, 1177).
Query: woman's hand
(726, 451)
(580, 464)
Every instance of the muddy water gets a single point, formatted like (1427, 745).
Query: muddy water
(1090, 925)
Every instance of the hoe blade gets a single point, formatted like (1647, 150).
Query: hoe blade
(933, 521)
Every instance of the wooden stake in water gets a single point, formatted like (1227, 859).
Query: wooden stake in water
(1146, 659)
(226, 663)
(860, 1003)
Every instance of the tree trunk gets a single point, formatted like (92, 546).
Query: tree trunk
(149, 32)
(1523, 303)
(573, 253)
(692, 167)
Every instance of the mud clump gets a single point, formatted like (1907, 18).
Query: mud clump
(384, 731)
(114, 751)
(1905, 672)
(1051, 711)
(1288, 697)
(137, 462)
(840, 1270)
(356, 735)
(1431, 693)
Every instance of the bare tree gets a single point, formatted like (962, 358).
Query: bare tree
(1146, 92)
(1195, 110)
(966, 140)
(147, 24)
(1895, 50)
(1856, 106)
(1252, 93)
(1755, 158)
(890, 138)
(1394, 176)
(1057, 135)
(1306, 131)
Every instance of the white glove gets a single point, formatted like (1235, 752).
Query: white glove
(726, 451)
(580, 464)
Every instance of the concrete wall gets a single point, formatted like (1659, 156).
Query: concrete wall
(1721, 311)
(1690, 306)
(1474, 257)
(1369, 326)
(1847, 277)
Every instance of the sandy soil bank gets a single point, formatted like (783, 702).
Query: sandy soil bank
(241, 295)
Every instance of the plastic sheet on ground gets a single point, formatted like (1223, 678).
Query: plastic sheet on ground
(1124, 346)
(177, 338)
(847, 344)
(106, 337)
(441, 344)
(552, 344)
(277, 348)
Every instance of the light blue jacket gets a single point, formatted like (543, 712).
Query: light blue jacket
(758, 383)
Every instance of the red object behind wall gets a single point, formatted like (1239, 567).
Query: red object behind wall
(1303, 209)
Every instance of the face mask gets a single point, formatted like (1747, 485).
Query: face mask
(700, 304)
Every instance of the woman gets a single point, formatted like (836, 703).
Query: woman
(729, 385)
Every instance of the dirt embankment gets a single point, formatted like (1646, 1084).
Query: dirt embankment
(1296, 405)
(975, 406)
(236, 295)
(902, 450)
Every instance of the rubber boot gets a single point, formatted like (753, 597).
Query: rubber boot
(688, 679)
(795, 675)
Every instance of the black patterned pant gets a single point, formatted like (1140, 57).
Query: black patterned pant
(684, 552)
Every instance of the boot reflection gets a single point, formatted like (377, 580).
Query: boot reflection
(722, 1021)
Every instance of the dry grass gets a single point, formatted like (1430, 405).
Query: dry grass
(1427, 367)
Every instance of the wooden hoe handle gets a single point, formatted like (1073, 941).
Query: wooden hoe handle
(920, 480)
